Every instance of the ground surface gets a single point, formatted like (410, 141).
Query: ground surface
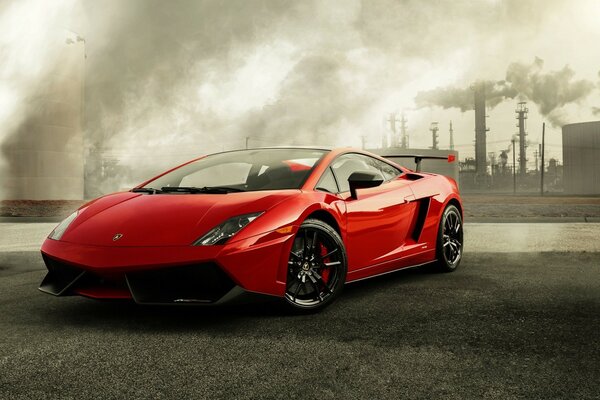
(505, 325)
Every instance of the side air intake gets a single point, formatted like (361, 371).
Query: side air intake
(421, 216)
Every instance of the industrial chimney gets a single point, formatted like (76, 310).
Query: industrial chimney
(480, 130)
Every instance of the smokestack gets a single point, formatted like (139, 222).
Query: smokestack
(522, 111)
(434, 135)
(480, 129)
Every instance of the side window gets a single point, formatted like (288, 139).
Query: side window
(327, 182)
(388, 171)
(347, 164)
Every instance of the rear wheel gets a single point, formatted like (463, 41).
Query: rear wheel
(316, 267)
(449, 248)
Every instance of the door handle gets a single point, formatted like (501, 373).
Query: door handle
(408, 199)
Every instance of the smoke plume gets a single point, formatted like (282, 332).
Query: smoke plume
(213, 76)
(550, 91)
(462, 98)
(292, 119)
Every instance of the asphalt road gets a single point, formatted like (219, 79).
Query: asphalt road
(505, 325)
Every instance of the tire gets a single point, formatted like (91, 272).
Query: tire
(317, 267)
(449, 248)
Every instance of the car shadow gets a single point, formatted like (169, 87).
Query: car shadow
(84, 313)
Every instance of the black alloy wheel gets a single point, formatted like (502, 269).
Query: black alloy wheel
(450, 239)
(316, 267)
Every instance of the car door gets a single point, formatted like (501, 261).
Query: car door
(378, 220)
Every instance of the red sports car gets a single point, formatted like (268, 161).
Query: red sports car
(295, 223)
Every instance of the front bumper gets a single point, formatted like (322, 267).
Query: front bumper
(169, 275)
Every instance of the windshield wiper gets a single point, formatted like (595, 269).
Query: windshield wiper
(228, 188)
(205, 189)
(146, 190)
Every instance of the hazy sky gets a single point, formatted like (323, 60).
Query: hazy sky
(188, 77)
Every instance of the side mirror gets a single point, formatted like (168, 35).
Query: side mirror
(363, 180)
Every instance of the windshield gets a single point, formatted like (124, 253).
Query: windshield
(244, 170)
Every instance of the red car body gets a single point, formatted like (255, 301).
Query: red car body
(388, 227)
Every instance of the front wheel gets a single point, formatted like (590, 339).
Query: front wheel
(316, 267)
(449, 249)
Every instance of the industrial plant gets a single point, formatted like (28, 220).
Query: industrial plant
(508, 171)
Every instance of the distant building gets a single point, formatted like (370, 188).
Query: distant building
(581, 158)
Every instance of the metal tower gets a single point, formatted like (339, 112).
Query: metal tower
(403, 135)
(521, 112)
(434, 135)
(384, 136)
(451, 137)
(394, 137)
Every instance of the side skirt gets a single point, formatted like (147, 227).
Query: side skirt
(392, 271)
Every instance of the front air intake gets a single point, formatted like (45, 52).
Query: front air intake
(197, 283)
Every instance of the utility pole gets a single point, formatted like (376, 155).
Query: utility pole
(247, 140)
(434, 135)
(451, 137)
(514, 167)
(363, 140)
(543, 150)
(536, 153)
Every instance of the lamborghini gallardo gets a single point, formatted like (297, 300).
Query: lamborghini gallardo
(293, 223)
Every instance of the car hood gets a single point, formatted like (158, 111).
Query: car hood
(163, 219)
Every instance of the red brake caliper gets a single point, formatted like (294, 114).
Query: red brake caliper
(325, 270)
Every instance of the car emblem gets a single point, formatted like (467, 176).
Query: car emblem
(117, 237)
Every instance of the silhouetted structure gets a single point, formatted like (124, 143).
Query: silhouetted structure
(581, 158)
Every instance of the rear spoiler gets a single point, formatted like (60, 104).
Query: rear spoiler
(419, 158)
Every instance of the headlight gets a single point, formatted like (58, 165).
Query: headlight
(221, 233)
(57, 233)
